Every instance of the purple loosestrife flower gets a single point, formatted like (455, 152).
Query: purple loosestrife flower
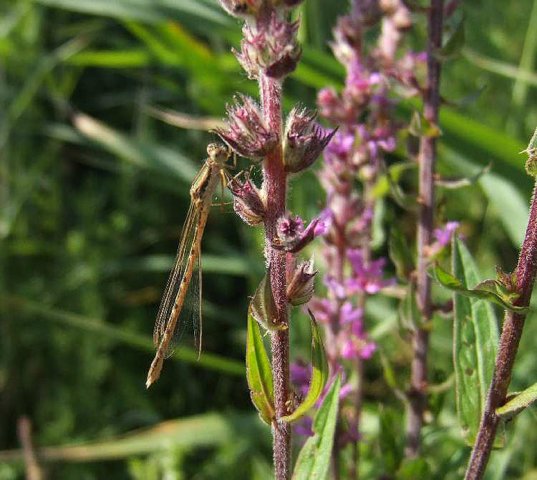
(246, 131)
(304, 140)
(364, 112)
(293, 236)
(444, 235)
(366, 276)
(443, 238)
(270, 47)
(248, 200)
(353, 338)
(395, 21)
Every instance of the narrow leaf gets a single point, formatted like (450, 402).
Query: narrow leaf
(455, 183)
(475, 340)
(314, 459)
(400, 254)
(518, 403)
(509, 201)
(142, 154)
(409, 314)
(319, 374)
(482, 291)
(258, 372)
(131, 58)
(144, 10)
(200, 431)
(453, 46)
(391, 444)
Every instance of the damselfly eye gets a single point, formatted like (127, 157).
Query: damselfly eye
(240, 7)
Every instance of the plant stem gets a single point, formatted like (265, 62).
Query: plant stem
(275, 183)
(427, 158)
(509, 341)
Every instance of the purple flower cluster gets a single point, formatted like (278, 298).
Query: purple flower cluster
(367, 131)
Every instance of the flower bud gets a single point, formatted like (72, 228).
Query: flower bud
(248, 200)
(531, 162)
(270, 47)
(263, 307)
(300, 286)
(293, 237)
(304, 140)
(246, 132)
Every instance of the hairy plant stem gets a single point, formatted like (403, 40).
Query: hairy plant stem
(417, 396)
(509, 341)
(275, 180)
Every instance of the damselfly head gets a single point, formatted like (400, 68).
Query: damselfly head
(218, 152)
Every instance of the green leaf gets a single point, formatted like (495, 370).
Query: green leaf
(131, 58)
(319, 374)
(483, 291)
(390, 182)
(313, 460)
(509, 203)
(455, 183)
(200, 431)
(258, 372)
(475, 341)
(419, 126)
(409, 314)
(507, 193)
(522, 75)
(141, 154)
(390, 439)
(388, 372)
(413, 468)
(519, 402)
(400, 254)
(230, 264)
(486, 144)
(453, 46)
(144, 10)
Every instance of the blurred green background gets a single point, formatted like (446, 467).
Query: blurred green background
(93, 192)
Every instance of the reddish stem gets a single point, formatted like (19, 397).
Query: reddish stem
(427, 158)
(509, 341)
(275, 180)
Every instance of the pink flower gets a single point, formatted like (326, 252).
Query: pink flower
(293, 236)
(445, 234)
(367, 277)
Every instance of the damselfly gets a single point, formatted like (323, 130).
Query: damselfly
(169, 324)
